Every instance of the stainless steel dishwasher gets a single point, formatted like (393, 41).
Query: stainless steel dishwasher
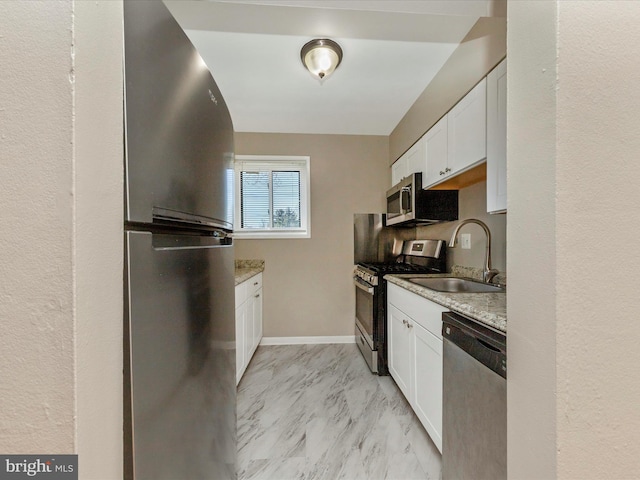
(474, 414)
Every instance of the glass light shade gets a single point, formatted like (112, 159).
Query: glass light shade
(321, 57)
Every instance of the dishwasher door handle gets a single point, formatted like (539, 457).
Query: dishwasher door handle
(487, 347)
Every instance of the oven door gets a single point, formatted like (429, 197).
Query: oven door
(366, 314)
(365, 306)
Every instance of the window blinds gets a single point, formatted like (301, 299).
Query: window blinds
(270, 195)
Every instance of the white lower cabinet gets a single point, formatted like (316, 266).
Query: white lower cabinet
(248, 322)
(257, 318)
(428, 382)
(414, 328)
(400, 345)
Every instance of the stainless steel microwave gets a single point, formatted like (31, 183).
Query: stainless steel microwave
(408, 204)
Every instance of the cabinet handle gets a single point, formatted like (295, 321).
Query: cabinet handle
(257, 295)
(441, 172)
(447, 169)
(409, 325)
(405, 322)
(255, 283)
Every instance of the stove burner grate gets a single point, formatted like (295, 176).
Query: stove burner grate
(384, 268)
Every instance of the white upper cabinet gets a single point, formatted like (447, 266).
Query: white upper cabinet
(398, 170)
(497, 139)
(412, 161)
(467, 123)
(436, 148)
(415, 157)
(457, 142)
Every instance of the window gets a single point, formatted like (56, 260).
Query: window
(272, 197)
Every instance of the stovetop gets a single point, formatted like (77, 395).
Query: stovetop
(385, 268)
(372, 273)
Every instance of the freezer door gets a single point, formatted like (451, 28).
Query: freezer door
(180, 358)
(179, 134)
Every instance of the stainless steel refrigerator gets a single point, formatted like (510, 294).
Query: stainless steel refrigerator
(180, 394)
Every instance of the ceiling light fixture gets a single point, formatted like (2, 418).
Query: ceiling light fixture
(321, 57)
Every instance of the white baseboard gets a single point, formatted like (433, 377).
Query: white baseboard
(307, 340)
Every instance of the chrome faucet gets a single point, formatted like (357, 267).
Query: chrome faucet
(488, 273)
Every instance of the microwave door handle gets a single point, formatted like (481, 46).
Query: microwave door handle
(403, 191)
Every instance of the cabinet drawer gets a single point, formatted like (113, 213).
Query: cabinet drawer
(254, 283)
(248, 288)
(425, 312)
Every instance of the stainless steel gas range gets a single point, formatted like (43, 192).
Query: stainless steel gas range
(416, 256)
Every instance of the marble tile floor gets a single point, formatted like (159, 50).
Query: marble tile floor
(315, 412)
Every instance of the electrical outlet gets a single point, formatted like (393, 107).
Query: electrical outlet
(465, 241)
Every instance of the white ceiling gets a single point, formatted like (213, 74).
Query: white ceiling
(392, 49)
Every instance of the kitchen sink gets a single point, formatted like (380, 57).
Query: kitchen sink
(455, 285)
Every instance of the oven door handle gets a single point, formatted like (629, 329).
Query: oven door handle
(363, 286)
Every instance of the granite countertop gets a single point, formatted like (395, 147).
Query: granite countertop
(245, 269)
(487, 308)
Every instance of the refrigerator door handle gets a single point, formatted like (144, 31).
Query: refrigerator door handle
(161, 241)
(171, 216)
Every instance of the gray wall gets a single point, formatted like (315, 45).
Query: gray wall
(61, 261)
(481, 50)
(473, 204)
(573, 114)
(308, 286)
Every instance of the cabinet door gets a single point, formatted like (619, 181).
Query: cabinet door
(400, 352)
(257, 319)
(398, 170)
(416, 158)
(427, 399)
(497, 138)
(467, 123)
(436, 147)
(241, 293)
(241, 314)
(248, 332)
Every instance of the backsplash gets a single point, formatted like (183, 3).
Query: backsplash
(472, 204)
(476, 274)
